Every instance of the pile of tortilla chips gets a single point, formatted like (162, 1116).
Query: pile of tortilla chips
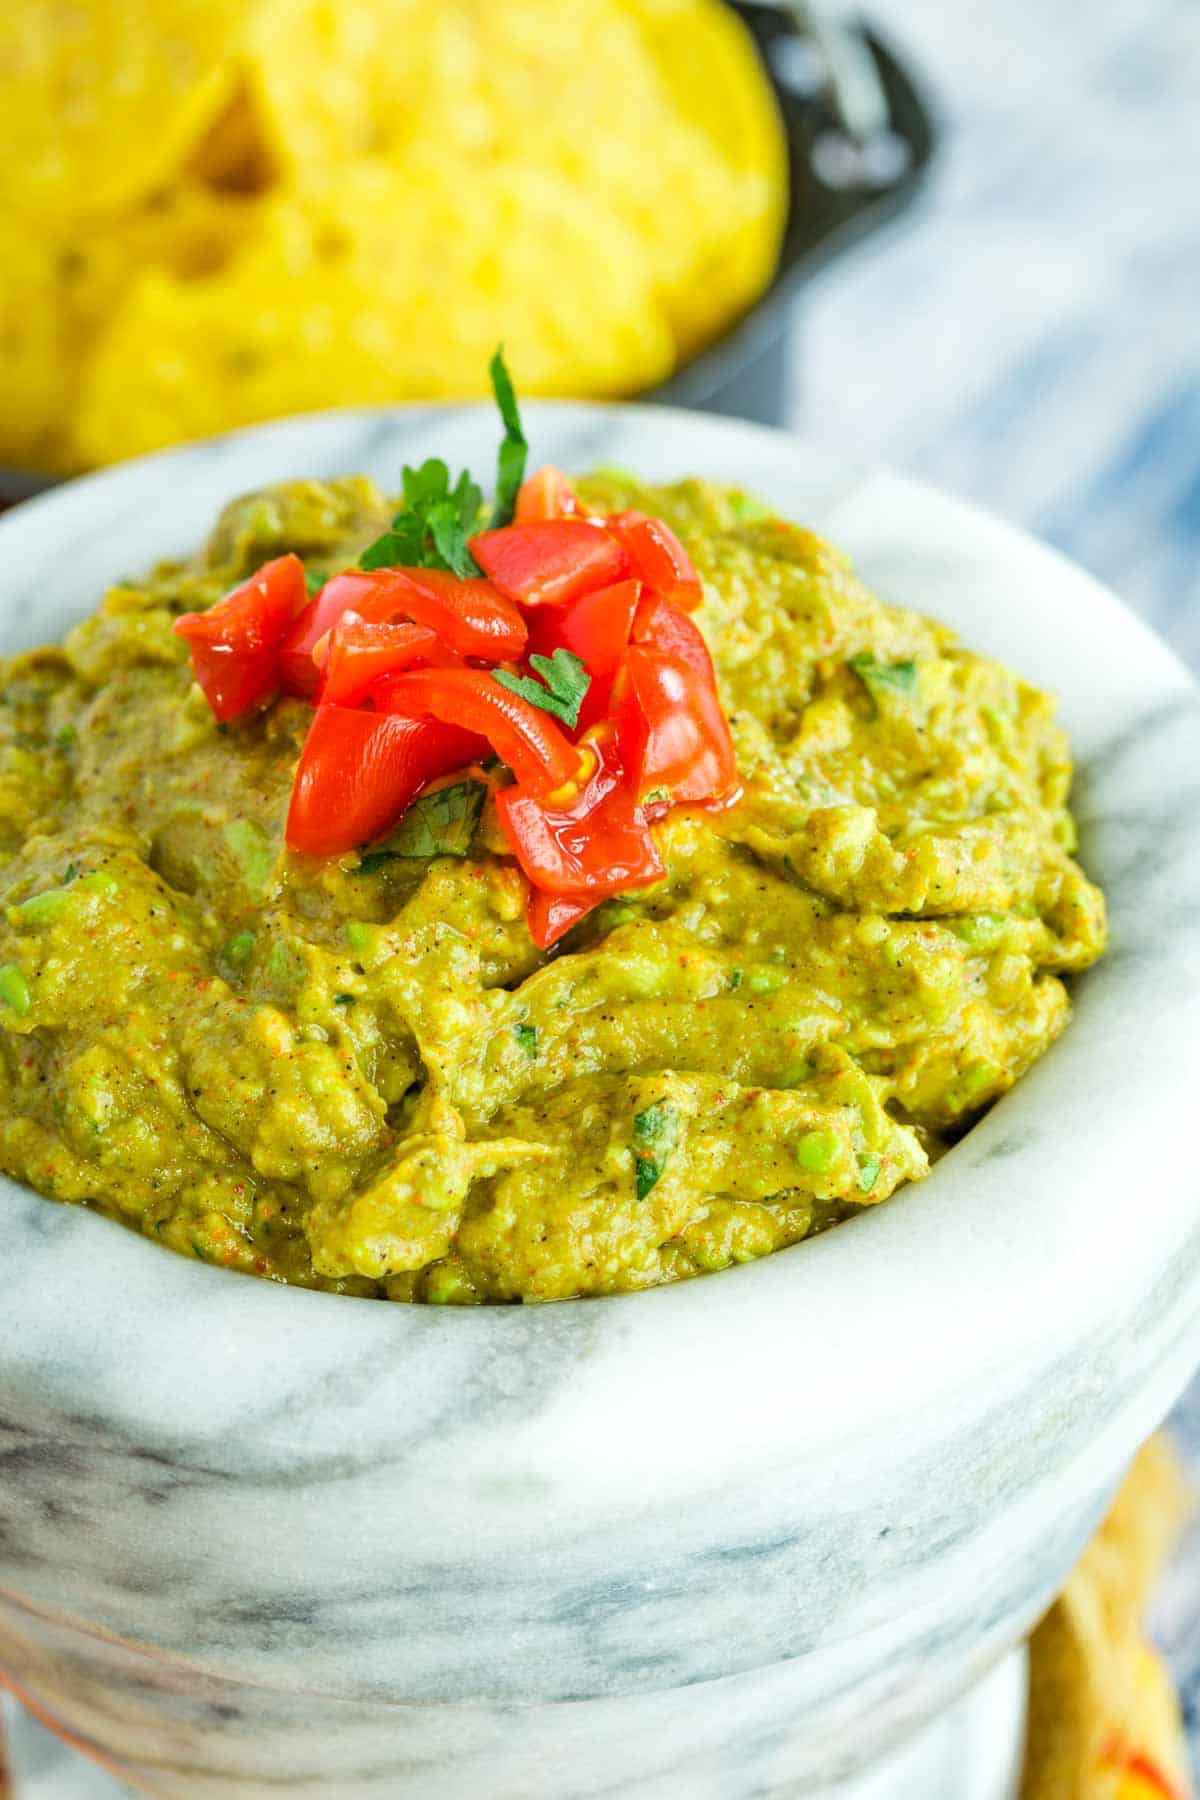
(217, 211)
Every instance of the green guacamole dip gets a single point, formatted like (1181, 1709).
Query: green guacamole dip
(361, 1075)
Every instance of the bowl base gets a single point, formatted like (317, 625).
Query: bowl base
(973, 1752)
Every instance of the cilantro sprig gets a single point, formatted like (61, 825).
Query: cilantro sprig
(433, 528)
(561, 690)
(514, 448)
(655, 1135)
(441, 823)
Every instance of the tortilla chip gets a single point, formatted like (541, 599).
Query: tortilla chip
(38, 362)
(357, 296)
(103, 98)
(1103, 1718)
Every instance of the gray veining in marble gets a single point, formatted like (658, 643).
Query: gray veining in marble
(715, 1540)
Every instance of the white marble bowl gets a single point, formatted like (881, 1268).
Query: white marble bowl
(720, 1540)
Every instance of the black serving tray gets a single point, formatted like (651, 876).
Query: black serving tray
(744, 373)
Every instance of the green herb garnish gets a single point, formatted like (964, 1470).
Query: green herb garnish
(869, 1166)
(881, 679)
(514, 448)
(565, 680)
(526, 1036)
(438, 824)
(432, 527)
(314, 581)
(655, 1134)
(343, 999)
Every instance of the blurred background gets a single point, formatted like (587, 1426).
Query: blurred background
(966, 242)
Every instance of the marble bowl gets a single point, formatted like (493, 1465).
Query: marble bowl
(732, 1538)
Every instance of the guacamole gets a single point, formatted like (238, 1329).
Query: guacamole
(360, 1074)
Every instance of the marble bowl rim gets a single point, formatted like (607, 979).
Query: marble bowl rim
(115, 1256)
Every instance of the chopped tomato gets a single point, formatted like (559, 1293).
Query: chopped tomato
(673, 735)
(521, 735)
(469, 616)
(594, 840)
(660, 625)
(358, 651)
(235, 644)
(360, 770)
(657, 557)
(547, 494)
(550, 916)
(298, 672)
(596, 629)
(552, 561)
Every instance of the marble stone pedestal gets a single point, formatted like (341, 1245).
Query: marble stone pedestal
(973, 1752)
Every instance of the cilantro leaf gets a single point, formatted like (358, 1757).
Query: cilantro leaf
(514, 447)
(425, 486)
(436, 521)
(438, 824)
(450, 542)
(647, 1175)
(566, 683)
(526, 1036)
(314, 581)
(655, 1135)
(880, 678)
(399, 548)
(869, 1166)
(432, 527)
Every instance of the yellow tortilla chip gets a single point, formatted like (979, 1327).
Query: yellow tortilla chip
(1103, 1718)
(659, 109)
(710, 67)
(358, 297)
(37, 356)
(103, 98)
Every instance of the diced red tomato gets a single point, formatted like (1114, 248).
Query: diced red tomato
(546, 494)
(298, 672)
(551, 916)
(235, 644)
(660, 625)
(469, 616)
(521, 735)
(595, 841)
(596, 629)
(552, 561)
(657, 557)
(360, 770)
(358, 651)
(673, 735)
